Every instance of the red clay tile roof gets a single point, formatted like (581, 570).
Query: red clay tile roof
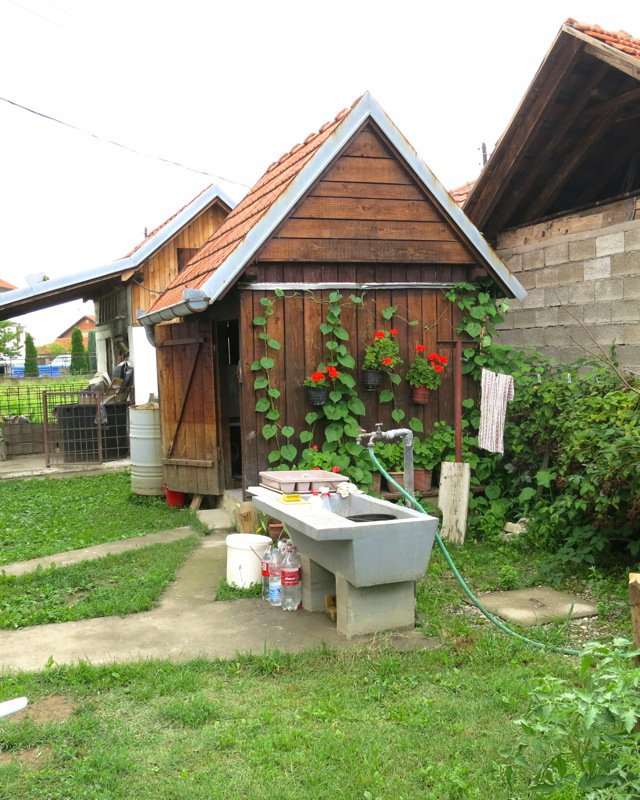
(6, 286)
(246, 215)
(462, 192)
(166, 222)
(621, 40)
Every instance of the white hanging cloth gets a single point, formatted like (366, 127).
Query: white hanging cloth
(496, 392)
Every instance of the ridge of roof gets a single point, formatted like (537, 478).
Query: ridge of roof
(621, 40)
(222, 258)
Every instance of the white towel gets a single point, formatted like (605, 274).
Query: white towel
(496, 392)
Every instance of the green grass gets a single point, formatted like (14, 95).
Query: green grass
(40, 517)
(114, 585)
(24, 395)
(227, 592)
(364, 723)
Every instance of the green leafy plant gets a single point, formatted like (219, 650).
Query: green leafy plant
(426, 369)
(9, 339)
(581, 742)
(391, 455)
(321, 378)
(30, 357)
(79, 360)
(383, 353)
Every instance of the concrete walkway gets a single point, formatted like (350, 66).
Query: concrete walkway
(187, 624)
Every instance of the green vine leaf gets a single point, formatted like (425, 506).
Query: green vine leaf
(259, 321)
(264, 301)
(334, 431)
(398, 415)
(347, 380)
(274, 344)
(269, 431)
(306, 436)
(346, 360)
(266, 362)
(325, 328)
(255, 366)
(273, 414)
(352, 430)
(385, 396)
(395, 378)
(278, 292)
(273, 392)
(332, 345)
(287, 431)
(416, 425)
(273, 457)
(335, 297)
(356, 299)
(288, 452)
(312, 416)
(341, 334)
(262, 405)
(356, 406)
(389, 312)
(335, 396)
(260, 383)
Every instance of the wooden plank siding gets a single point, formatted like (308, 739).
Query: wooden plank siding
(162, 267)
(296, 324)
(367, 208)
(189, 407)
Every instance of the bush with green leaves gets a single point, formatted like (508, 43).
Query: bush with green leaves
(581, 742)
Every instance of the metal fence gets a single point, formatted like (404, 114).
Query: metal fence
(25, 399)
(78, 428)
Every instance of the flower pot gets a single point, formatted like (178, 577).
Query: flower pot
(317, 395)
(420, 395)
(421, 481)
(372, 379)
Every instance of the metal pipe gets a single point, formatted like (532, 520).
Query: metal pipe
(390, 436)
(457, 399)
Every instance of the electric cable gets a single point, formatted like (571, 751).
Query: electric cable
(568, 651)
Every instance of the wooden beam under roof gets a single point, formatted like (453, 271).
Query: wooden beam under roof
(614, 58)
(544, 89)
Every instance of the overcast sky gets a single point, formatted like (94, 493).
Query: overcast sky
(227, 89)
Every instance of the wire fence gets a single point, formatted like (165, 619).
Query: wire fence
(24, 399)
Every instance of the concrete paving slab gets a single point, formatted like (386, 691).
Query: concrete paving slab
(216, 519)
(187, 624)
(537, 606)
(97, 551)
(34, 467)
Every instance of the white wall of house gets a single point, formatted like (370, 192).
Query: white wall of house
(143, 357)
(582, 275)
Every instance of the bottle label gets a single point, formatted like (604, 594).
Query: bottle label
(265, 569)
(290, 577)
(275, 593)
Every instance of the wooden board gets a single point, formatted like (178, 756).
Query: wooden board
(453, 500)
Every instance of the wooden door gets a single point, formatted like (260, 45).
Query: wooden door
(189, 407)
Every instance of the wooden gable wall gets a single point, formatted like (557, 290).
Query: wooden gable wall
(162, 267)
(367, 208)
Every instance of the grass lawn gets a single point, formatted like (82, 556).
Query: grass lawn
(112, 585)
(40, 517)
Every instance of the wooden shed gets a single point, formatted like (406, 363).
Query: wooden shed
(352, 210)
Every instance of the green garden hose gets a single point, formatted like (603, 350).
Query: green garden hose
(465, 588)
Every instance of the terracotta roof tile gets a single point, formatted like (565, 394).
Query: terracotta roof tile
(462, 192)
(278, 177)
(6, 286)
(621, 40)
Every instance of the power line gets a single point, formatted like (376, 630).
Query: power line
(118, 144)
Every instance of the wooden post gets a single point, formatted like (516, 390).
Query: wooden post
(457, 398)
(634, 600)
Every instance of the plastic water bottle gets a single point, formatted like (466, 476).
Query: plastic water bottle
(265, 572)
(290, 579)
(275, 586)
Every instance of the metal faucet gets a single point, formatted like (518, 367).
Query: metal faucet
(390, 436)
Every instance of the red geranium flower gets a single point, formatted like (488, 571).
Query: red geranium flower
(387, 361)
(379, 335)
(393, 332)
(433, 357)
(438, 368)
(332, 372)
(335, 469)
(444, 360)
(420, 348)
(317, 377)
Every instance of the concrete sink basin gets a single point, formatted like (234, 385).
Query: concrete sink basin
(365, 553)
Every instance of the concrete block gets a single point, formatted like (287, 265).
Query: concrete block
(515, 338)
(373, 609)
(556, 296)
(597, 312)
(625, 264)
(514, 262)
(610, 289)
(631, 287)
(597, 269)
(629, 356)
(571, 273)
(547, 277)
(631, 334)
(546, 316)
(526, 318)
(316, 583)
(527, 279)
(533, 259)
(557, 254)
(534, 299)
(582, 293)
(609, 244)
(632, 237)
(626, 311)
(582, 250)
(607, 335)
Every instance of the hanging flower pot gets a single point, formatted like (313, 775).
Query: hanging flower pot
(317, 395)
(420, 395)
(372, 379)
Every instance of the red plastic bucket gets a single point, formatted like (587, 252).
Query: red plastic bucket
(174, 499)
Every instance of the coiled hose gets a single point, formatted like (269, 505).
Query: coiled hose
(568, 651)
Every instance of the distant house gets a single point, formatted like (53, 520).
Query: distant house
(6, 287)
(352, 209)
(560, 198)
(85, 324)
(122, 288)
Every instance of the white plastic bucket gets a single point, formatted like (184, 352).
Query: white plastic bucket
(146, 454)
(244, 558)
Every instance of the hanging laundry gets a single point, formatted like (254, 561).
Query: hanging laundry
(496, 392)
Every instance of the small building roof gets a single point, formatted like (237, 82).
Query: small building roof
(5, 286)
(221, 260)
(73, 287)
(573, 141)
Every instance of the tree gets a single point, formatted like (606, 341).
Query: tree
(79, 364)
(30, 357)
(9, 339)
(91, 351)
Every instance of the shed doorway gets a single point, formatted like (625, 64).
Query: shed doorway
(228, 338)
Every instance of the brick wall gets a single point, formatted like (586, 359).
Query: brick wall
(582, 275)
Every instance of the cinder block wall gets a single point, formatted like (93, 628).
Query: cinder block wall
(582, 275)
